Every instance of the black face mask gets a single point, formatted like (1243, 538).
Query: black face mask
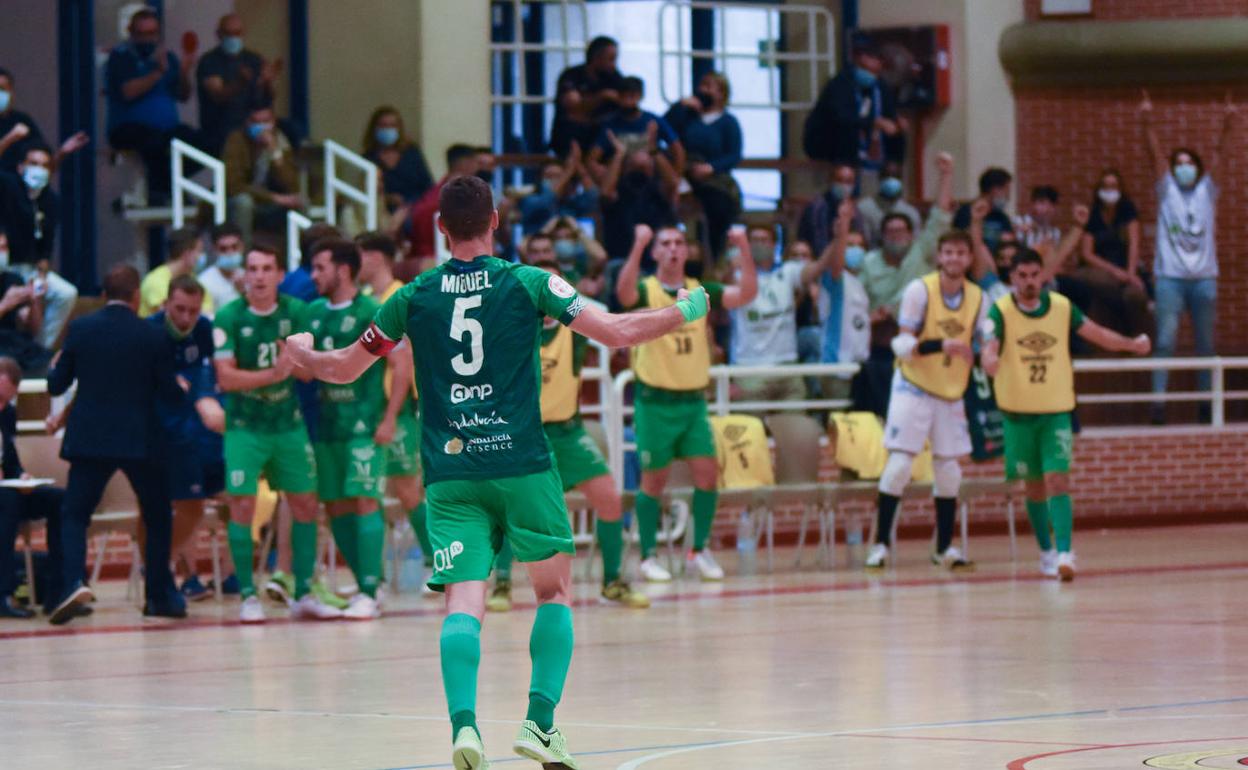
(636, 180)
(145, 50)
(704, 99)
(486, 176)
(1003, 272)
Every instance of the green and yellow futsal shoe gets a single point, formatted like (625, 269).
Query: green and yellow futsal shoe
(549, 748)
(469, 752)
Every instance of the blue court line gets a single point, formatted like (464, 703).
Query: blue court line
(1160, 706)
(442, 765)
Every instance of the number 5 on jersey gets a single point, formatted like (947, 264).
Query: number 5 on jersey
(462, 325)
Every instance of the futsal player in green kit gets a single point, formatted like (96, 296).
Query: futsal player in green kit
(474, 324)
(264, 431)
(349, 463)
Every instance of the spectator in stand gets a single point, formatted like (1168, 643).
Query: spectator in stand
(637, 129)
(764, 331)
(404, 173)
(415, 223)
(712, 143)
(1185, 260)
(186, 257)
(994, 187)
(261, 175)
(21, 316)
(17, 130)
(223, 280)
(1110, 256)
(855, 120)
(1035, 228)
(231, 79)
(566, 189)
(144, 83)
(809, 315)
(586, 94)
(581, 259)
(298, 282)
(22, 505)
(815, 226)
(638, 188)
(887, 200)
(29, 214)
(847, 331)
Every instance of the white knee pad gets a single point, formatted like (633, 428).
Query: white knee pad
(896, 473)
(946, 476)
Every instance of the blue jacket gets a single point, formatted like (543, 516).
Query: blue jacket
(192, 360)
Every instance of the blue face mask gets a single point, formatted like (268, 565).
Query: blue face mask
(232, 44)
(387, 136)
(254, 130)
(842, 191)
(1185, 174)
(4, 100)
(853, 257)
(201, 262)
(891, 188)
(567, 251)
(230, 261)
(36, 177)
(865, 78)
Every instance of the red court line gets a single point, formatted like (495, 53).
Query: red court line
(850, 586)
(969, 740)
(1021, 764)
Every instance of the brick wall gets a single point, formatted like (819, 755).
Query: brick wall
(1120, 10)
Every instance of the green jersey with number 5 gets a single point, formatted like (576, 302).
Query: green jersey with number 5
(251, 339)
(475, 330)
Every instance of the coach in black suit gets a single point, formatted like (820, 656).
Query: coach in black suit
(122, 366)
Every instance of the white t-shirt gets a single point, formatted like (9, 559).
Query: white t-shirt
(765, 331)
(1185, 229)
(220, 288)
(847, 330)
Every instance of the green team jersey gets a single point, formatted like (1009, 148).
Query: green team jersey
(352, 410)
(475, 330)
(251, 339)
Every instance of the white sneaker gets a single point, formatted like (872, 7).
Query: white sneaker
(1048, 563)
(251, 611)
(312, 608)
(953, 560)
(1066, 566)
(653, 572)
(707, 568)
(362, 607)
(877, 557)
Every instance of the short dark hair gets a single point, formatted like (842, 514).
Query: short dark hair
(181, 241)
(598, 45)
(762, 228)
(308, 238)
(36, 147)
(9, 367)
(1200, 164)
(141, 14)
(956, 236)
(375, 240)
(266, 246)
(225, 230)
(457, 152)
(465, 206)
(894, 216)
(1026, 256)
(994, 176)
(341, 252)
(633, 85)
(1044, 192)
(187, 285)
(121, 283)
(538, 236)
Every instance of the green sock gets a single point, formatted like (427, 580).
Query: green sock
(1038, 513)
(647, 510)
(502, 562)
(1062, 513)
(704, 504)
(343, 528)
(461, 655)
(303, 555)
(611, 541)
(242, 551)
(550, 649)
(371, 533)
(418, 516)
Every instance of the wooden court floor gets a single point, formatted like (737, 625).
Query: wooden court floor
(1142, 662)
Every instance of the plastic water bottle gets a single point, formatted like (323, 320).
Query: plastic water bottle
(747, 545)
(854, 534)
(412, 570)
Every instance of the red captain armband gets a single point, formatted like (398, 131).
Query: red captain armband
(375, 342)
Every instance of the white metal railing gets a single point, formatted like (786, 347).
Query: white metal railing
(296, 223)
(1217, 394)
(819, 54)
(184, 185)
(517, 48)
(335, 186)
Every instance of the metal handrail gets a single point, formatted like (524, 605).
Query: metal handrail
(295, 224)
(184, 184)
(334, 186)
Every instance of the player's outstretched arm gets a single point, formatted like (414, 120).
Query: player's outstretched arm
(1110, 340)
(622, 330)
(746, 288)
(334, 366)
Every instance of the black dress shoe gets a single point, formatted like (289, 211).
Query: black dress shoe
(164, 610)
(10, 610)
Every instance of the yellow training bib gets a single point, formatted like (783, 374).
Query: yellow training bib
(1036, 375)
(679, 360)
(561, 388)
(944, 376)
(742, 450)
(860, 447)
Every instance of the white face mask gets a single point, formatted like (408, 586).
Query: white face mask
(1109, 197)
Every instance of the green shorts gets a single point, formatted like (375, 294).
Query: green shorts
(577, 455)
(1036, 444)
(285, 459)
(469, 519)
(403, 454)
(672, 430)
(348, 469)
